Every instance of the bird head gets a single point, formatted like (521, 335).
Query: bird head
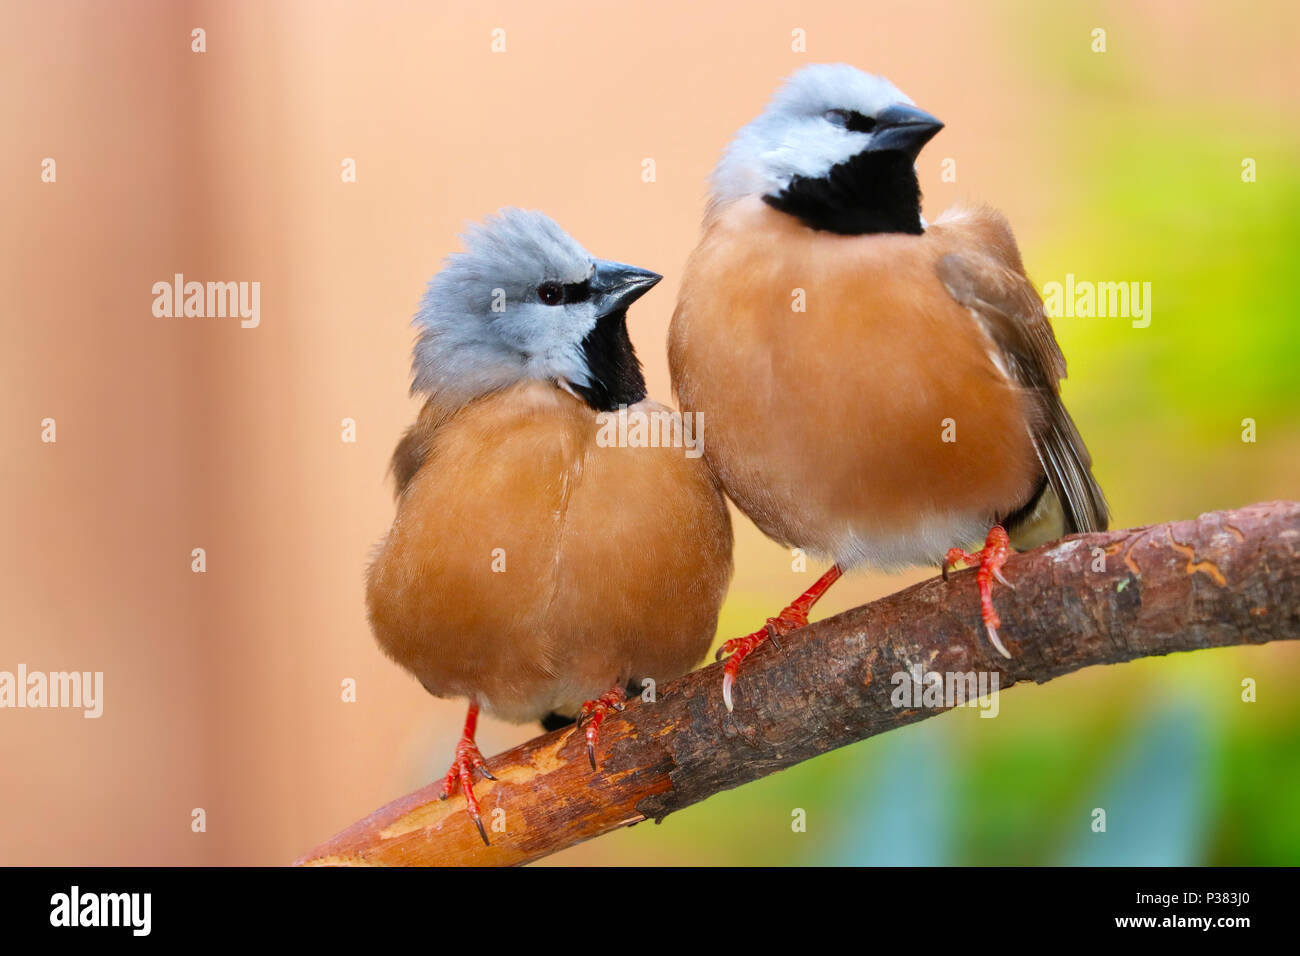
(524, 301)
(835, 147)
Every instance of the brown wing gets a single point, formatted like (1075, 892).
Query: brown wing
(413, 448)
(1005, 302)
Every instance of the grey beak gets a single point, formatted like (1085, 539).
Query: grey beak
(903, 129)
(615, 286)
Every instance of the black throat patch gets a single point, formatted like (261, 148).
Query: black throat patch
(875, 191)
(615, 370)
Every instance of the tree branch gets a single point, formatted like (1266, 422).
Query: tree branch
(1229, 577)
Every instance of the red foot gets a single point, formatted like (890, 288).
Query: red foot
(594, 713)
(997, 548)
(791, 619)
(468, 759)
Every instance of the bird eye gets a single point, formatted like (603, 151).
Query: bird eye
(837, 118)
(551, 293)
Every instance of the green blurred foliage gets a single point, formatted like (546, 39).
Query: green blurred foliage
(1163, 406)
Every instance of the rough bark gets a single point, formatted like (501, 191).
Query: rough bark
(1226, 578)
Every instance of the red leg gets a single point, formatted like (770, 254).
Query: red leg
(468, 759)
(593, 715)
(997, 548)
(792, 618)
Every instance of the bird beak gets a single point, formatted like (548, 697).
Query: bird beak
(615, 286)
(903, 129)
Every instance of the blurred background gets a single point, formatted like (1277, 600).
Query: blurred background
(223, 689)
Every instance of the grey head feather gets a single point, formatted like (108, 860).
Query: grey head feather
(481, 325)
(792, 136)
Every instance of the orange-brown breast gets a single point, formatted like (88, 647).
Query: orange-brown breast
(826, 425)
(532, 568)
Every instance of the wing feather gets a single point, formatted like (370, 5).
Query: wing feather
(1004, 301)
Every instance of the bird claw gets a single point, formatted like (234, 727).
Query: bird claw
(791, 619)
(784, 623)
(989, 562)
(954, 556)
(997, 641)
(593, 715)
(468, 760)
(739, 648)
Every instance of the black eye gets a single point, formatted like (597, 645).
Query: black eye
(850, 120)
(551, 293)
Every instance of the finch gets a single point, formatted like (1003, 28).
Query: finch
(880, 391)
(534, 567)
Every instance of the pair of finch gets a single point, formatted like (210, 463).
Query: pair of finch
(540, 572)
